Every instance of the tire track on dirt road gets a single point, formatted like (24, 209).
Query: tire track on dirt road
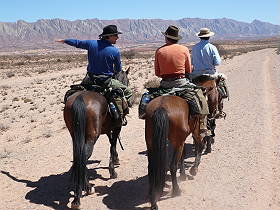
(272, 121)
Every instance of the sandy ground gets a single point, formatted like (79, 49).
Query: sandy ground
(242, 172)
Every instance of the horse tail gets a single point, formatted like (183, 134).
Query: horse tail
(157, 155)
(78, 170)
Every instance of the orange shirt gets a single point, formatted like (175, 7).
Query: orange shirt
(172, 59)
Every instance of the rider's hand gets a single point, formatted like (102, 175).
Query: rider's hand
(59, 40)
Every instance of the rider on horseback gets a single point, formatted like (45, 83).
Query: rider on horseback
(172, 64)
(205, 57)
(104, 61)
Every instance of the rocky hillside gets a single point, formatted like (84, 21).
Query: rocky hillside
(41, 34)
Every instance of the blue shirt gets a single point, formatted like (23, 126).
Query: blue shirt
(103, 57)
(205, 57)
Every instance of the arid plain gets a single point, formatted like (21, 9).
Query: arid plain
(242, 172)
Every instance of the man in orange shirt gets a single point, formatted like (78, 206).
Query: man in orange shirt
(172, 63)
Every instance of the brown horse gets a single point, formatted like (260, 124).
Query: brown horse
(87, 116)
(167, 125)
(213, 99)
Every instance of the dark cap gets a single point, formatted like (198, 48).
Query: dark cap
(110, 30)
(172, 32)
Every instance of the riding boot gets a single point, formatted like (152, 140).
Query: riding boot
(203, 126)
(124, 121)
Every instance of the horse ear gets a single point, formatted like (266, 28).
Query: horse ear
(127, 71)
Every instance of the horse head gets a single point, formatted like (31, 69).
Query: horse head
(122, 76)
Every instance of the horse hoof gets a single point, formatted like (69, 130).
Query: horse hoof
(208, 150)
(90, 191)
(116, 162)
(193, 171)
(113, 175)
(154, 207)
(176, 193)
(183, 177)
(75, 206)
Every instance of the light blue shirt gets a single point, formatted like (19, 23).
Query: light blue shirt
(205, 57)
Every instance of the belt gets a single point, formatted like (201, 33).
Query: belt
(174, 78)
(102, 76)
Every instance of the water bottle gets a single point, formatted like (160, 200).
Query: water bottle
(146, 98)
(114, 111)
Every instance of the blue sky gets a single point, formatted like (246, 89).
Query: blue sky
(241, 10)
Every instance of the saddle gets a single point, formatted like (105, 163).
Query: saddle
(118, 106)
(218, 81)
(189, 93)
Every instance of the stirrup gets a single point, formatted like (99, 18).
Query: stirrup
(220, 115)
(124, 121)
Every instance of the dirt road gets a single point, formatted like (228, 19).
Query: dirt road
(242, 172)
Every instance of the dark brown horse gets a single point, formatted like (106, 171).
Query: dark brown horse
(87, 116)
(213, 98)
(167, 125)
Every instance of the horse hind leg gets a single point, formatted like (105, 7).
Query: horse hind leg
(113, 149)
(211, 124)
(182, 167)
(199, 146)
(114, 160)
(76, 203)
(173, 169)
(89, 189)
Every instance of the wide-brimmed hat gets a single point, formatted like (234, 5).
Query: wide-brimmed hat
(205, 32)
(172, 32)
(110, 30)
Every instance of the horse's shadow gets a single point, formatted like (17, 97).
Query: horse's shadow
(125, 194)
(52, 191)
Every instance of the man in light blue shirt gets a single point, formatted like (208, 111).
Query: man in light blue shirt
(205, 55)
(205, 58)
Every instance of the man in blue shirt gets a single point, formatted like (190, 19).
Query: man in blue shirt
(104, 59)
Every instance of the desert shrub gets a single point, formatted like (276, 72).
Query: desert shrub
(3, 127)
(5, 87)
(40, 71)
(152, 83)
(129, 54)
(278, 50)
(20, 63)
(10, 74)
(221, 49)
(47, 134)
(37, 81)
(4, 108)
(5, 154)
(15, 99)
(27, 100)
(27, 140)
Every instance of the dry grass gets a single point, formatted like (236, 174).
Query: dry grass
(5, 154)
(229, 49)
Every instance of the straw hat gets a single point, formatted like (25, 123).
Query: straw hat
(205, 32)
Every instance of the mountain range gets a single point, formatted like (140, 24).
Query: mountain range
(41, 34)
